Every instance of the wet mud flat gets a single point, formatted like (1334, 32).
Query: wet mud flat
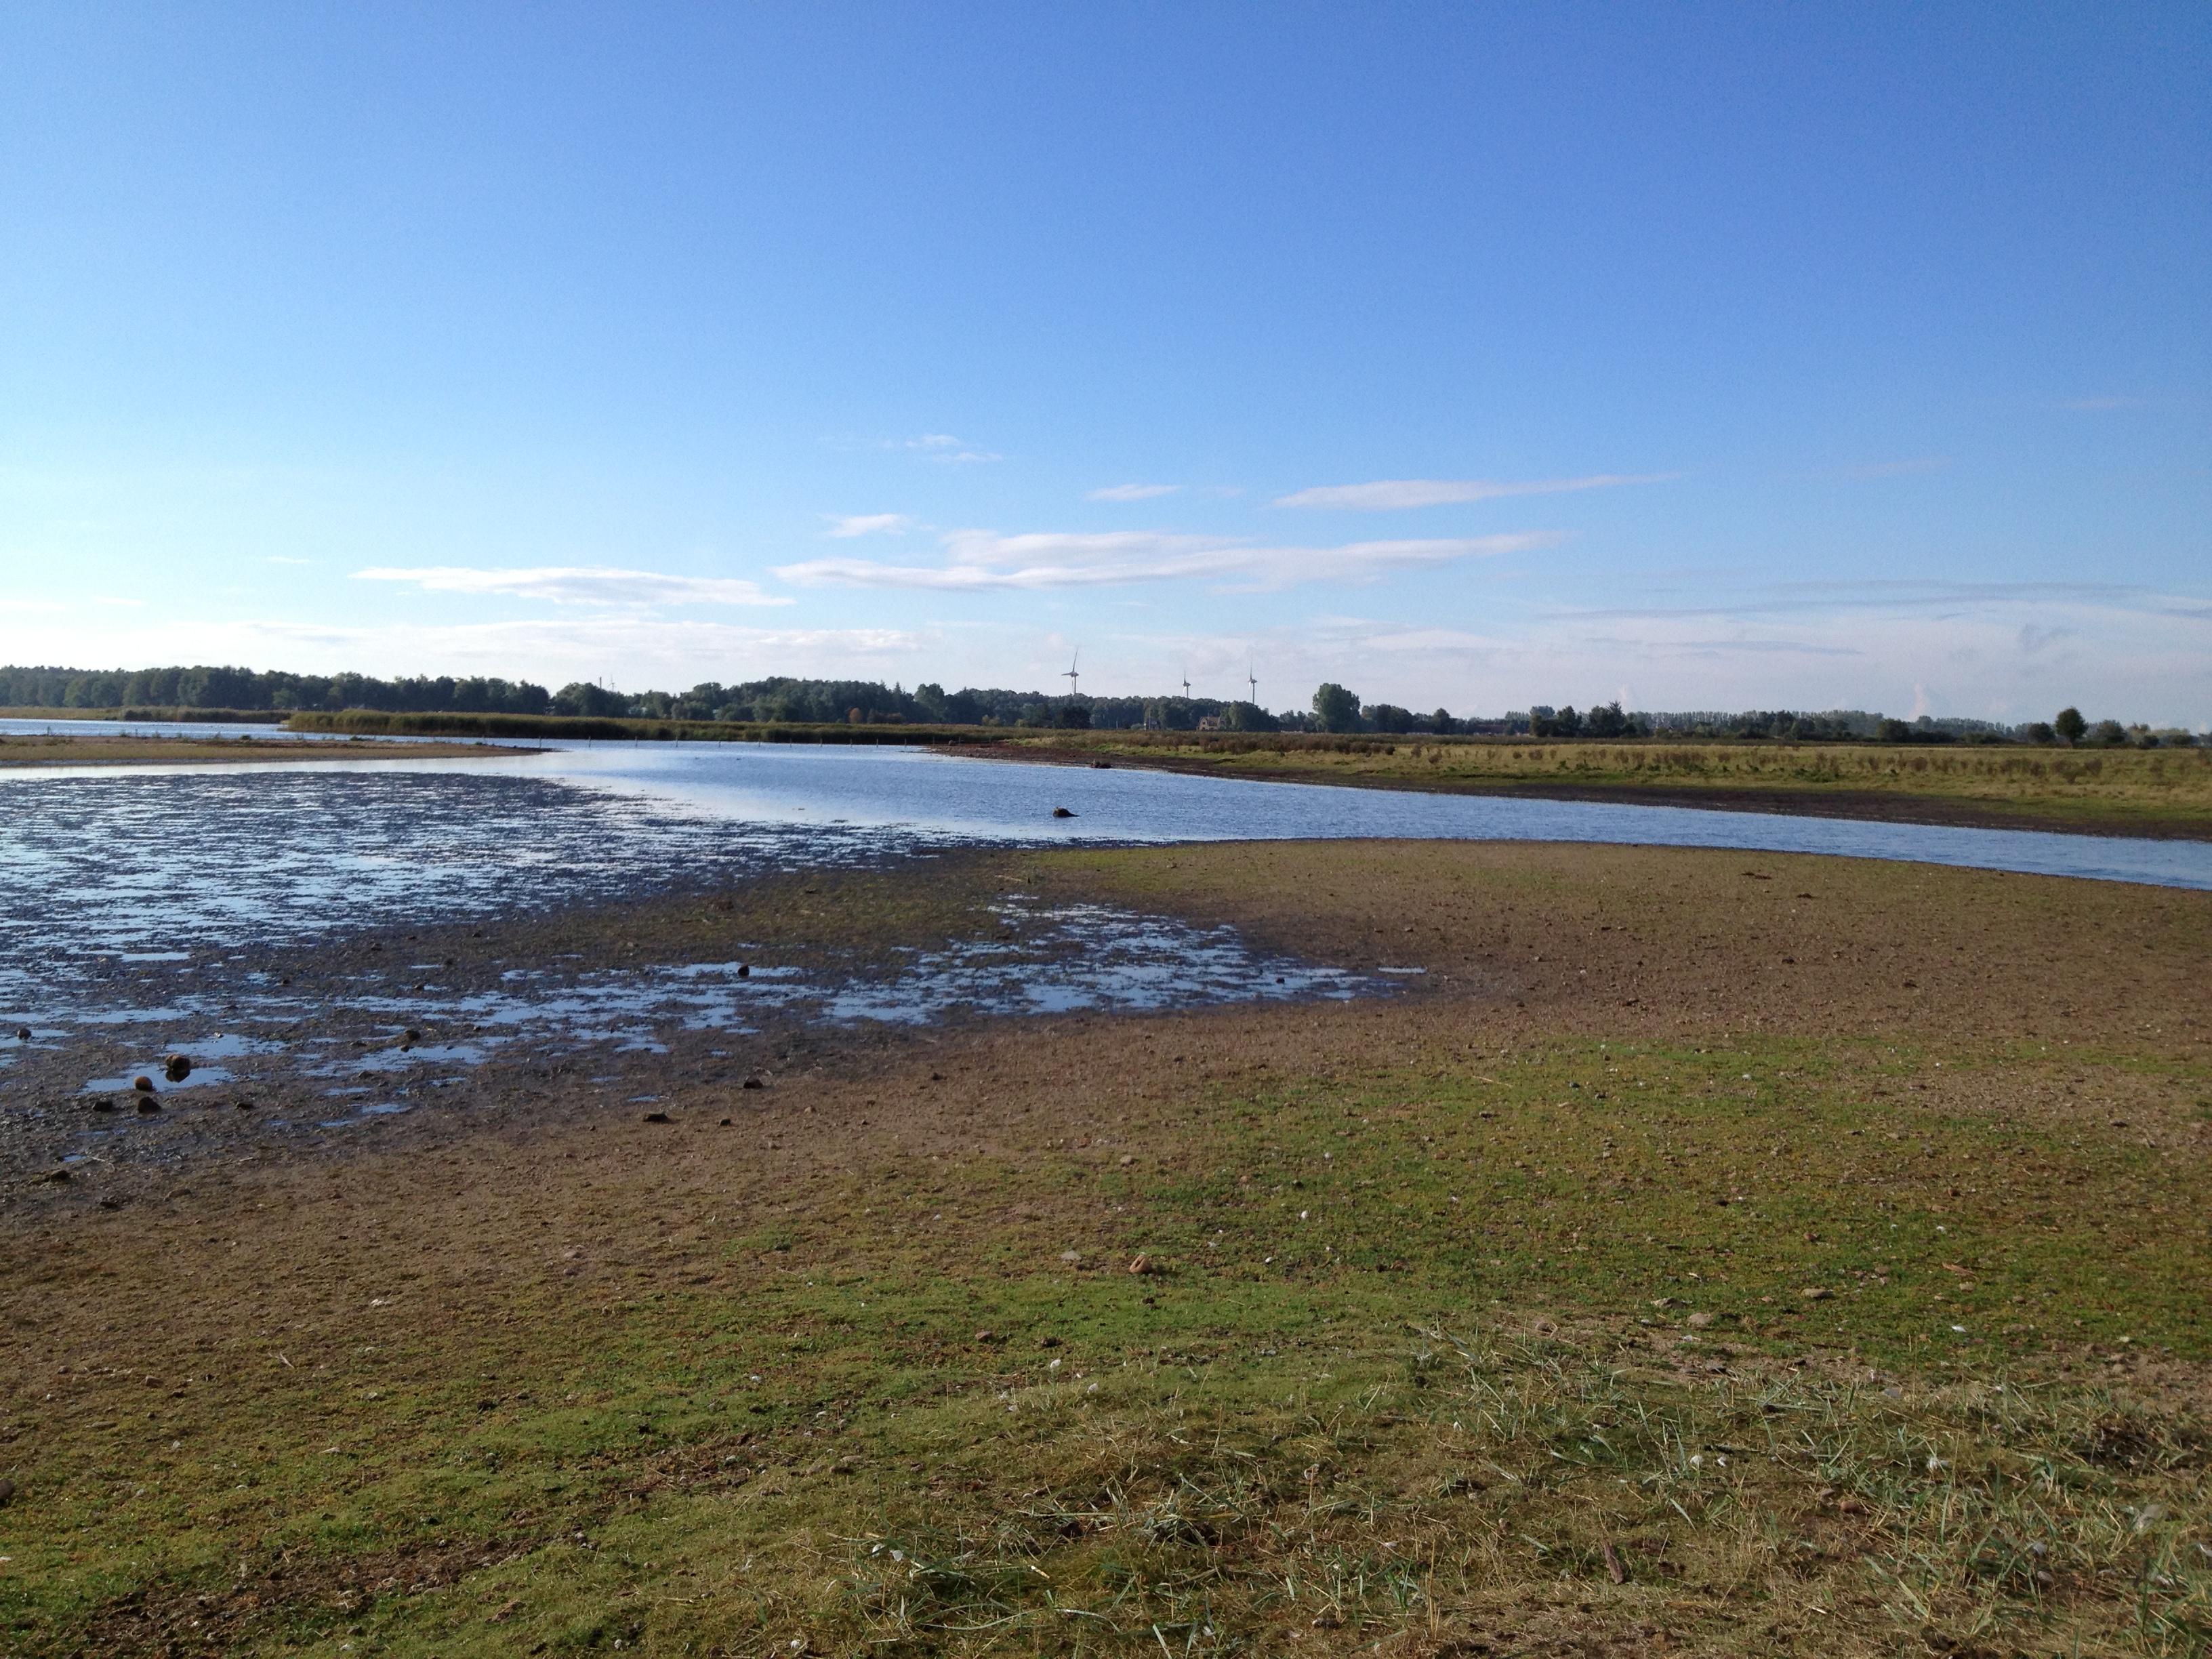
(709, 996)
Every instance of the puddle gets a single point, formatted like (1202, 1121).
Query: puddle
(1056, 960)
(203, 1076)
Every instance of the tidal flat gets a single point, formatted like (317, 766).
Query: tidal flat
(103, 748)
(1650, 1248)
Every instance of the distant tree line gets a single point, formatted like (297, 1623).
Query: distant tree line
(782, 699)
(249, 688)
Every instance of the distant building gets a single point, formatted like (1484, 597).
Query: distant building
(1209, 722)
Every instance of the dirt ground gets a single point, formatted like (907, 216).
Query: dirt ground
(214, 1280)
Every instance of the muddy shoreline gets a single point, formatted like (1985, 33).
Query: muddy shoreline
(1866, 805)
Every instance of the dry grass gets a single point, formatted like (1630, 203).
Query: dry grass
(2150, 790)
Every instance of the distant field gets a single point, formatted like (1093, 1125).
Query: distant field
(1705, 1253)
(2158, 791)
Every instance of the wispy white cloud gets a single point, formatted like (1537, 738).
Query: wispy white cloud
(1389, 494)
(981, 560)
(943, 446)
(870, 523)
(593, 585)
(1132, 492)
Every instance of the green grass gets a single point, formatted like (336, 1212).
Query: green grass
(1421, 1348)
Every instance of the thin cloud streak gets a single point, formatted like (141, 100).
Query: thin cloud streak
(980, 560)
(1132, 492)
(870, 523)
(1392, 494)
(594, 584)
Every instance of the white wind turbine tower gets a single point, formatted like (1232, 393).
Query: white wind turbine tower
(1251, 680)
(1069, 673)
(1186, 685)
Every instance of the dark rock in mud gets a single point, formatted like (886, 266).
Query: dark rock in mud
(658, 1117)
(176, 1067)
(146, 1103)
(144, 1085)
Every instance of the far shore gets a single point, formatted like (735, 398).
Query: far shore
(104, 748)
(2099, 800)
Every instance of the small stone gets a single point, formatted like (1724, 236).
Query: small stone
(176, 1067)
(103, 1105)
(55, 1175)
(144, 1085)
(243, 1105)
(744, 970)
(1702, 1319)
(1071, 1255)
(986, 1336)
(7, 1489)
(1048, 1342)
(1127, 1158)
(753, 1083)
(411, 1035)
(726, 1123)
(1816, 1294)
(23, 1033)
(146, 1103)
(658, 1117)
(1061, 812)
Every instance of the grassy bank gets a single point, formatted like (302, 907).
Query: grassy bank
(370, 722)
(2145, 791)
(1805, 1260)
(197, 717)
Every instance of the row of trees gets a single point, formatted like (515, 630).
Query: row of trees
(785, 700)
(207, 686)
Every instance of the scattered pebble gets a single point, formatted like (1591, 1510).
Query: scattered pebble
(658, 1117)
(1061, 812)
(176, 1067)
(144, 1085)
(753, 1083)
(147, 1103)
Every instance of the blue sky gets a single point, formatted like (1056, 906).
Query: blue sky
(1706, 357)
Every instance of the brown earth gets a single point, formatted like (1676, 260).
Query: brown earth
(474, 1235)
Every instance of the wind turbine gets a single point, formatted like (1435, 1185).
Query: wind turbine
(1251, 681)
(1186, 685)
(1069, 675)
